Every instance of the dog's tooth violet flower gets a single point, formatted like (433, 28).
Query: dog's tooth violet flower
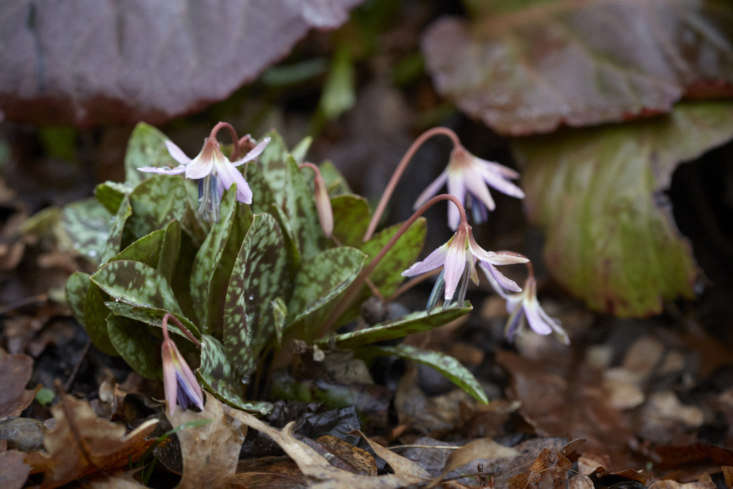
(469, 178)
(458, 258)
(524, 305)
(179, 382)
(209, 161)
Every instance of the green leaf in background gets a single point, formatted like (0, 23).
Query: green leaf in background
(116, 234)
(279, 315)
(215, 259)
(556, 63)
(169, 251)
(301, 149)
(163, 198)
(77, 286)
(399, 328)
(319, 283)
(351, 216)
(87, 223)
(219, 377)
(258, 276)
(146, 147)
(137, 284)
(135, 345)
(111, 195)
(445, 364)
(338, 92)
(593, 192)
(95, 319)
(335, 181)
(388, 274)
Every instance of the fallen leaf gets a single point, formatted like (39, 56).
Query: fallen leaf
(114, 482)
(15, 372)
(81, 444)
(598, 194)
(403, 467)
(148, 61)
(665, 420)
(25, 434)
(482, 448)
(549, 470)
(210, 444)
(581, 63)
(14, 470)
(267, 473)
(704, 483)
(357, 458)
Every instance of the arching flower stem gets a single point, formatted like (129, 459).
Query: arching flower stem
(180, 326)
(401, 166)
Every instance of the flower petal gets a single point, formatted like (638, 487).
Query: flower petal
(253, 153)
(455, 263)
(475, 184)
(536, 322)
(499, 282)
(229, 175)
(189, 385)
(457, 188)
(169, 376)
(198, 168)
(163, 170)
(501, 184)
(431, 189)
(176, 153)
(431, 262)
(496, 168)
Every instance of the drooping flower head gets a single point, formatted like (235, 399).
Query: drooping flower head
(179, 382)
(458, 258)
(524, 307)
(211, 161)
(469, 178)
(322, 199)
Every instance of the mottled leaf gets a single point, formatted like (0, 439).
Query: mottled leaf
(146, 147)
(111, 195)
(258, 276)
(137, 284)
(88, 225)
(445, 364)
(299, 150)
(145, 250)
(215, 259)
(135, 345)
(77, 286)
(89, 61)
(597, 194)
(221, 379)
(582, 63)
(335, 181)
(95, 319)
(319, 283)
(279, 316)
(351, 216)
(116, 234)
(152, 316)
(399, 328)
(169, 250)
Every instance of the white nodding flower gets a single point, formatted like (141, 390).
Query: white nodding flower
(212, 160)
(524, 306)
(458, 254)
(469, 178)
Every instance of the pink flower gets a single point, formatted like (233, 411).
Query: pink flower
(179, 382)
(469, 178)
(211, 159)
(525, 305)
(458, 256)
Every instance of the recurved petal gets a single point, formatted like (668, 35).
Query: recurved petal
(457, 188)
(536, 322)
(198, 168)
(431, 262)
(475, 184)
(554, 324)
(499, 282)
(502, 185)
(176, 153)
(253, 153)
(496, 168)
(230, 175)
(455, 263)
(162, 170)
(431, 189)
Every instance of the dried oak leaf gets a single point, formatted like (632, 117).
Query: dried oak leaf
(569, 402)
(582, 63)
(81, 444)
(548, 471)
(96, 61)
(14, 470)
(15, 372)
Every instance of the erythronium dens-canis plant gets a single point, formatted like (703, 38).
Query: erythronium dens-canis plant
(244, 259)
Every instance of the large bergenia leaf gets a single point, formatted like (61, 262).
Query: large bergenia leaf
(582, 63)
(258, 276)
(89, 61)
(609, 240)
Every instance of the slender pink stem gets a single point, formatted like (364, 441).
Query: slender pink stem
(180, 326)
(318, 177)
(233, 134)
(355, 287)
(401, 166)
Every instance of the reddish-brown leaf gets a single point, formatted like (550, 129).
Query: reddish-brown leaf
(15, 372)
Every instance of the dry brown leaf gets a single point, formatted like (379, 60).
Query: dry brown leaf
(115, 482)
(210, 451)
(666, 420)
(81, 444)
(402, 466)
(727, 475)
(703, 483)
(267, 473)
(14, 470)
(580, 481)
(15, 372)
(549, 470)
(356, 458)
(483, 448)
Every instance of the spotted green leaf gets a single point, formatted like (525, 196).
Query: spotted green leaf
(350, 219)
(137, 284)
(145, 249)
(111, 195)
(169, 251)
(152, 316)
(218, 377)
(136, 346)
(77, 286)
(95, 319)
(116, 234)
(258, 276)
(445, 364)
(335, 181)
(279, 315)
(299, 150)
(88, 225)
(213, 264)
(146, 147)
(319, 283)
(399, 328)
